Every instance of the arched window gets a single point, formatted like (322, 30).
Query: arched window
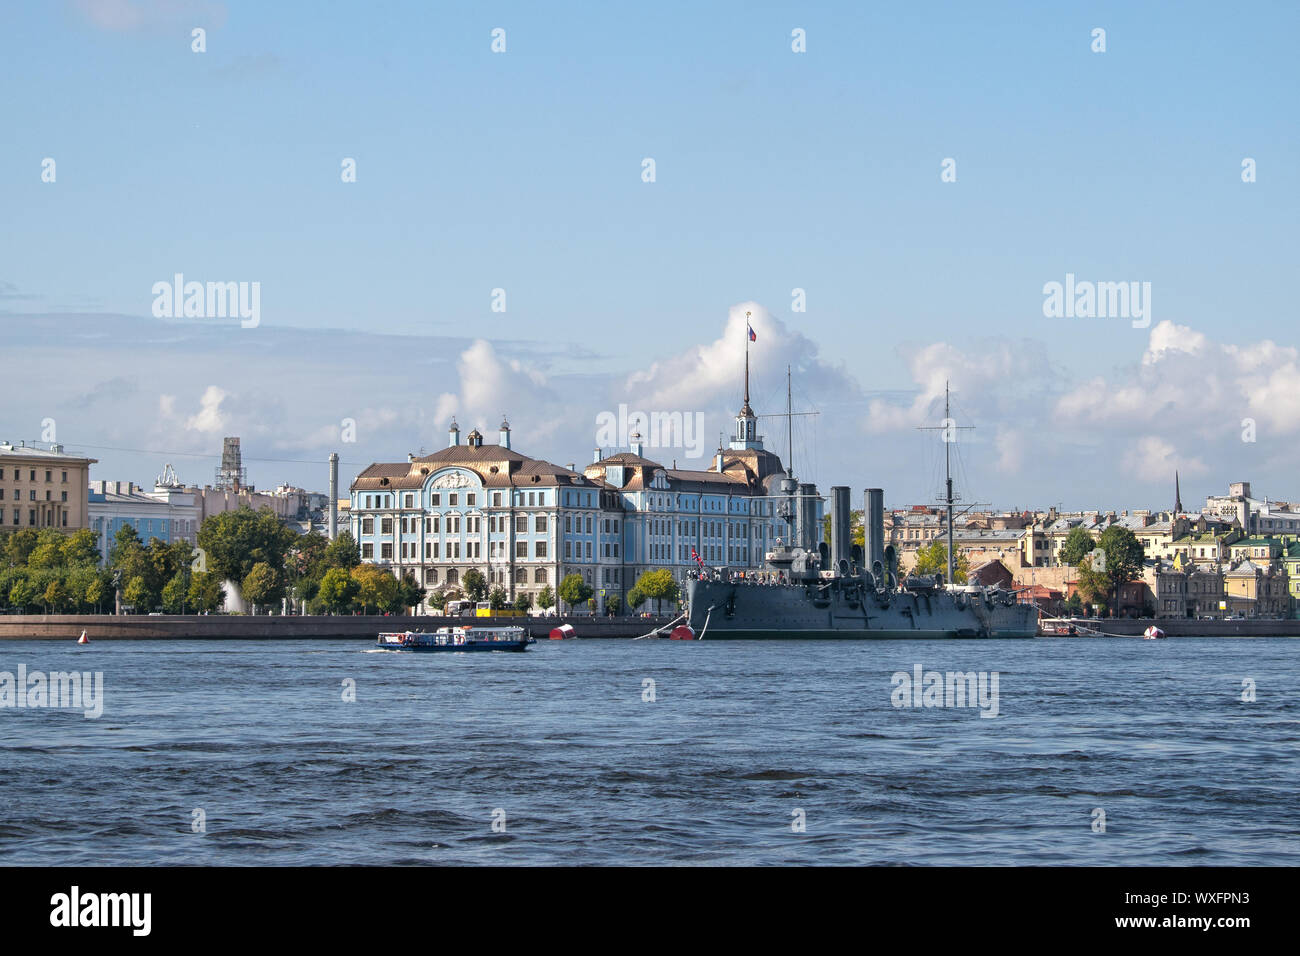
(521, 575)
(539, 576)
(431, 576)
(453, 576)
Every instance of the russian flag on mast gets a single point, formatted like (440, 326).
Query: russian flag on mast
(752, 336)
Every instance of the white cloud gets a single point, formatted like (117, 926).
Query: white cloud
(209, 418)
(1152, 458)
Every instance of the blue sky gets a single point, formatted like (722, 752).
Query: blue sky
(774, 171)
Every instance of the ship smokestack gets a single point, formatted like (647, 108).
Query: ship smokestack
(810, 533)
(840, 533)
(334, 495)
(873, 527)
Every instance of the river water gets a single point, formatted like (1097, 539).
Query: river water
(1103, 751)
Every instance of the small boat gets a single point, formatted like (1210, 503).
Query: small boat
(83, 639)
(1152, 633)
(564, 632)
(457, 639)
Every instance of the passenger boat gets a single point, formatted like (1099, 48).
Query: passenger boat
(457, 639)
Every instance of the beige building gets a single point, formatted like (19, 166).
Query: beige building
(42, 488)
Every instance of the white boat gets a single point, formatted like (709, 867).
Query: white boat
(1152, 633)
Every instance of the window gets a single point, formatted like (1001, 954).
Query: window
(541, 549)
(367, 525)
(540, 523)
(385, 525)
(469, 500)
(431, 576)
(435, 521)
(589, 527)
(386, 551)
(568, 523)
(532, 499)
(539, 576)
(496, 499)
(47, 475)
(568, 549)
(367, 551)
(435, 499)
(451, 499)
(65, 496)
(521, 524)
(408, 501)
(589, 550)
(65, 477)
(521, 549)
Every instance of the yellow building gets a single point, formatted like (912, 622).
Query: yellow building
(43, 488)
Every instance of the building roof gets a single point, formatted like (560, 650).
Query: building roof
(496, 466)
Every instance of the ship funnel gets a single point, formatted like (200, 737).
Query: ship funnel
(839, 524)
(873, 528)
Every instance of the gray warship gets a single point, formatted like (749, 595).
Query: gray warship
(837, 591)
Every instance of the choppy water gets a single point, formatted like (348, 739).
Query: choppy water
(739, 737)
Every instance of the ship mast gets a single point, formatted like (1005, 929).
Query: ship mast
(947, 473)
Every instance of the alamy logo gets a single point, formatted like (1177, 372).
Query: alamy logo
(212, 300)
(103, 909)
(1098, 300)
(950, 689)
(661, 430)
(75, 690)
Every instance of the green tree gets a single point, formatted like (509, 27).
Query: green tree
(410, 593)
(174, 593)
(613, 604)
(1077, 543)
(342, 552)
(262, 586)
(1124, 558)
(574, 590)
(635, 598)
(475, 585)
(80, 549)
(497, 599)
(137, 595)
(523, 603)
(338, 590)
(438, 599)
(22, 593)
(375, 587)
(48, 552)
(546, 599)
(1074, 605)
(659, 586)
(206, 592)
(18, 547)
(55, 596)
(933, 559)
(235, 541)
(97, 592)
(126, 546)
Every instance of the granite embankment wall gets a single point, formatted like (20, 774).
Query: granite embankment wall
(100, 627)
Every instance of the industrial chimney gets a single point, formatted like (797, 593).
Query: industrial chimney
(334, 495)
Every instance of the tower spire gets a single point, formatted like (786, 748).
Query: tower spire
(1178, 496)
(747, 315)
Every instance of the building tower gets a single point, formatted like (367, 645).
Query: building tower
(231, 476)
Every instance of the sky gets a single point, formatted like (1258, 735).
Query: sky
(889, 205)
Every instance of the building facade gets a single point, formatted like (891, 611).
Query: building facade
(42, 488)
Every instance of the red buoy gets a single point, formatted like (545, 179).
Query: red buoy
(563, 631)
(83, 639)
(682, 632)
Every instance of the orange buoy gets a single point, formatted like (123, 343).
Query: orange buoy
(563, 631)
(682, 632)
(83, 639)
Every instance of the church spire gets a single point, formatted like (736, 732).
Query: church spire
(1178, 497)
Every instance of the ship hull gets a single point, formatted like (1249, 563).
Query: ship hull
(721, 610)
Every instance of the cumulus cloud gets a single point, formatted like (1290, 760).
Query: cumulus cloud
(1155, 459)
(208, 418)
